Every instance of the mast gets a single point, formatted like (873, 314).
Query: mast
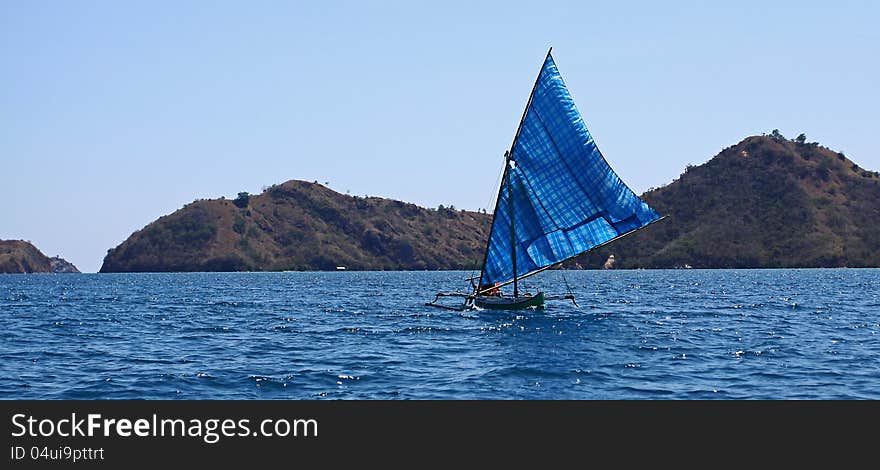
(507, 158)
(512, 231)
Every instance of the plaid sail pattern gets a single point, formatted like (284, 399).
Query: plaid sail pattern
(566, 198)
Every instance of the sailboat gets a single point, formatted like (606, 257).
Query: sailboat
(558, 199)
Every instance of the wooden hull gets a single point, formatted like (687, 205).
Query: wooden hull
(510, 303)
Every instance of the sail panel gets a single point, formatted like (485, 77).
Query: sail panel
(566, 198)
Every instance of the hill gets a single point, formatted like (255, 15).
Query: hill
(19, 256)
(765, 202)
(303, 226)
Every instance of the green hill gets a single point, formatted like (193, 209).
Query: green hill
(19, 256)
(303, 226)
(764, 202)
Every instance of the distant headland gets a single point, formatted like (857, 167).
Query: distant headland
(766, 202)
(19, 256)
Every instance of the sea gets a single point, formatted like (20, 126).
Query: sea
(783, 334)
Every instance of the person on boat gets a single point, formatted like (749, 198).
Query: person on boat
(493, 290)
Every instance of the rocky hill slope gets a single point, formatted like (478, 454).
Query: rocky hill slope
(764, 202)
(303, 226)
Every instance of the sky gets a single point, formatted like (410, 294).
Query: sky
(113, 114)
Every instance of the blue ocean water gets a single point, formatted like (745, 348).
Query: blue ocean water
(677, 334)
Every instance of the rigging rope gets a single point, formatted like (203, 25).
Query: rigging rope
(494, 191)
(567, 287)
(490, 203)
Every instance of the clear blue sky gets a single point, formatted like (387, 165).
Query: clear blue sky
(113, 114)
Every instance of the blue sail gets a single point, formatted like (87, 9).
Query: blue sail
(566, 199)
